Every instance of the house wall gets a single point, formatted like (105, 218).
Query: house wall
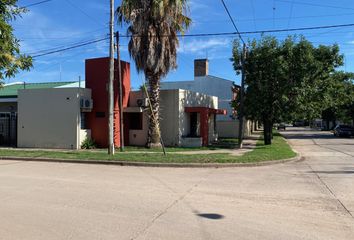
(50, 118)
(230, 129)
(193, 99)
(97, 79)
(138, 137)
(208, 85)
(175, 122)
(218, 87)
(171, 114)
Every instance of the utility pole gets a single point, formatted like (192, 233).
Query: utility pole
(121, 126)
(241, 115)
(111, 79)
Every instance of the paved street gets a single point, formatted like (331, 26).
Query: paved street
(311, 199)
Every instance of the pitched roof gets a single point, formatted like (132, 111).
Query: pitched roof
(10, 90)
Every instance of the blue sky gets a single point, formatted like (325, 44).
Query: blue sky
(61, 23)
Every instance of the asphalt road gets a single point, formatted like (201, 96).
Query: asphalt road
(312, 199)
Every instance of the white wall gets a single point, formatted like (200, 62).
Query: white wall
(209, 85)
(230, 129)
(50, 118)
(170, 115)
(174, 120)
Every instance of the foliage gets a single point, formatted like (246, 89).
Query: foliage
(11, 60)
(88, 143)
(236, 100)
(286, 80)
(153, 26)
(340, 93)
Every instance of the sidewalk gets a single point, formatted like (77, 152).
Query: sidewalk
(248, 145)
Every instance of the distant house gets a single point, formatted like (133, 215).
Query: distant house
(227, 125)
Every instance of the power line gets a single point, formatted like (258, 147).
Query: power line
(69, 48)
(83, 12)
(300, 29)
(291, 12)
(253, 32)
(232, 21)
(37, 3)
(254, 15)
(36, 52)
(199, 35)
(315, 5)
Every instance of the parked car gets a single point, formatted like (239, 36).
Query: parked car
(281, 126)
(343, 131)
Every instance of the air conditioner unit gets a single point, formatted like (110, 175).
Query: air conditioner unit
(142, 102)
(86, 104)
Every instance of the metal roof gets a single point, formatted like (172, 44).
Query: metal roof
(10, 90)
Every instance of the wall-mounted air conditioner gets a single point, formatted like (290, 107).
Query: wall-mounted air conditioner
(86, 104)
(142, 102)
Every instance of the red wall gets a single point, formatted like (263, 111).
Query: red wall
(97, 78)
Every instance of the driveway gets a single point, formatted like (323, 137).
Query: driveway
(312, 199)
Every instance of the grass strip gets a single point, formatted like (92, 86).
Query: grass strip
(277, 151)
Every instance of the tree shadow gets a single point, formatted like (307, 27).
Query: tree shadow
(309, 136)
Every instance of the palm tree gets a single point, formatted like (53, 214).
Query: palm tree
(154, 26)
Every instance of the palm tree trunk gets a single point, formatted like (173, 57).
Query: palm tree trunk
(154, 118)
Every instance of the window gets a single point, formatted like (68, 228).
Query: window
(100, 114)
(135, 121)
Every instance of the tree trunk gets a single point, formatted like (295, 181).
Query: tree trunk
(334, 123)
(327, 125)
(154, 113)
(268, 127)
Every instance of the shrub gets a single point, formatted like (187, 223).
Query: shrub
(88, 143)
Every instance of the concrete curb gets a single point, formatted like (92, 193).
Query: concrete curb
(147, 164)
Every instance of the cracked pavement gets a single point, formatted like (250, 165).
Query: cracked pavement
(311, 199)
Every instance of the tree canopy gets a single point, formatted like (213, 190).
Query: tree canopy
(287, 80)
(11, 60)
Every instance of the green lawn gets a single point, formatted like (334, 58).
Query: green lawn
(278, 150)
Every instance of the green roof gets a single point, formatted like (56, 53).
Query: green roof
(10, 90)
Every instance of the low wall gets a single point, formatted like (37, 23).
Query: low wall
(191, 142)
(230, 129)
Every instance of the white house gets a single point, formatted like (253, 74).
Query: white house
(227, 125)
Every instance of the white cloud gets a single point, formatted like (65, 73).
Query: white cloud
(196, 46)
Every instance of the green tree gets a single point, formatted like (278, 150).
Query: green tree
(286, 79)
(340, 98)
(11, 60)
(153, 26)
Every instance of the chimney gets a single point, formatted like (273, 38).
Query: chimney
(201, 67)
